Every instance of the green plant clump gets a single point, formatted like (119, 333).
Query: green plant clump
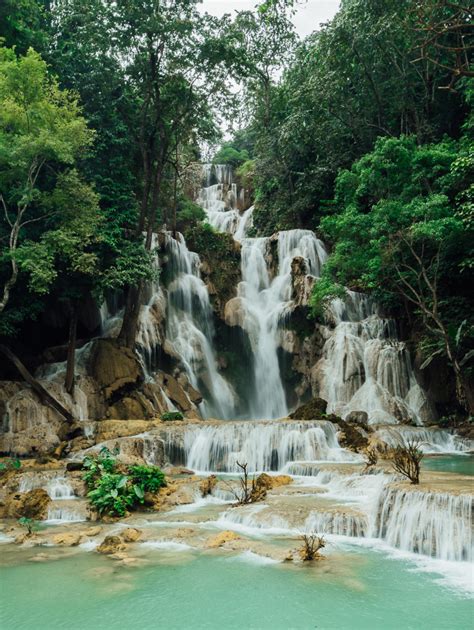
(172, 415)
(116, 490)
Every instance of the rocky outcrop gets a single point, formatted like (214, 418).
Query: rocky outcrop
(222, 539)
(114, 367)
(33, 504)
(111, 545)
(301, 283)
(315, 409)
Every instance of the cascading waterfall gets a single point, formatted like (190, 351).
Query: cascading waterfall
(429, 523)
(263, 446)
(430, 440)
(365, 368)
(189, 328)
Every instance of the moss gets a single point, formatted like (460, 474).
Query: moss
(222, 256)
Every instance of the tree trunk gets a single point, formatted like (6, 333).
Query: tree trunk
(128, 332)
(71, 352)
(43, 394)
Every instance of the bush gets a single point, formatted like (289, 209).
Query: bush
(312, 543)
(406, 460)
(112, 494)
(227, 154)
(149, 478)
(171, 415)
(116, 490)
(9, 464)
(188, 214)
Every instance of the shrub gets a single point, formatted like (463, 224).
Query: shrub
(171, 415)
(9, 464)
(312, 543)
(114, 490)
(406, 460)
(112, 495)
(148, 478)
(97, 466)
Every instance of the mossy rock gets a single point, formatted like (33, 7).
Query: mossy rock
(315, 409)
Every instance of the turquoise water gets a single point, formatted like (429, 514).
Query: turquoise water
(186, 591)
(460, 464)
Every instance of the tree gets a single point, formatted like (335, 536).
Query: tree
(398, 235)
(172, 67)
(41, 132)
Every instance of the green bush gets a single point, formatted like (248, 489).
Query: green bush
(115, 489)
(148, 478)
(112, 494)
(9, 464)
(171, 415)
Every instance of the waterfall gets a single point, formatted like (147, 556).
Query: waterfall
(431, 440)
(428, 523)
(189, 328)
(365, 368)
(263, 446)
(336, 521)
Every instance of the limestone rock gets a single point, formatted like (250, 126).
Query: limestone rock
(221, 539)
(92, 531)
(111, 545)
(207, 485)
(358, 417)
(177, 393)
(113, 367)
(131, 534)
(66, 539)
(234, 312)
(33, 504)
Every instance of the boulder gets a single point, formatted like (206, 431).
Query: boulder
(315, 409)
(177, 393)
(207, 485)
(33, 504)
(111, 545)
(358, 417)
(131, 535)
(67, 539)
(92, 531)
(221, 539)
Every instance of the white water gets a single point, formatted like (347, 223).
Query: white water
(431, 440)
(189, 328)
(365, 368)
(263, 446)
(428, 523)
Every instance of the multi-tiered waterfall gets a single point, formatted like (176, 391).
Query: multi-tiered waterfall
(363, 365)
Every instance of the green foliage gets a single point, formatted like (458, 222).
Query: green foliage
(220, 252)
(29, 524)
(171, 415)
(228, 154)
(112, 495)
(115, 490)
(324, 291)
(188, 214)
(9, 464)
(147, 478)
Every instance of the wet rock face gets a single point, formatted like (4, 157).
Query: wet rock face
(301, 283)
(113, 367)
